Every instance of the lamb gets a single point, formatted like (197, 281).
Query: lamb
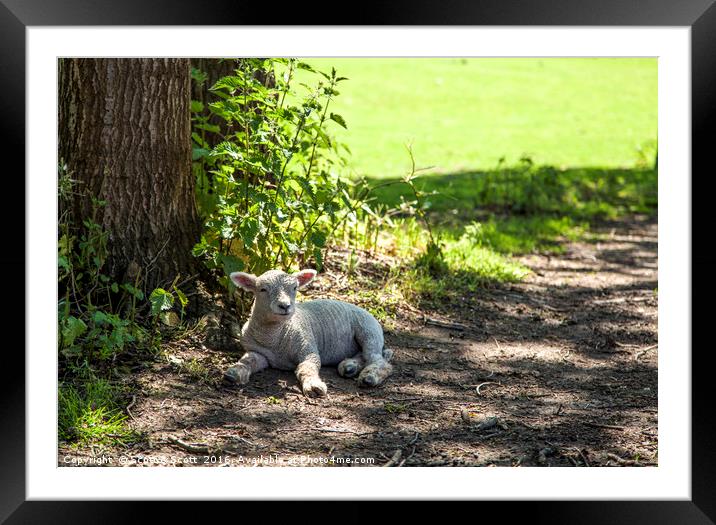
(305, 336)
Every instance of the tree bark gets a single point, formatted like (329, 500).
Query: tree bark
(125, 136)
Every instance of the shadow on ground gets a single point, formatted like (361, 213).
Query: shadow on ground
(583, 192)
(559, 370)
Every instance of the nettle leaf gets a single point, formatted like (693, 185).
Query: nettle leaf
(198, 76)
(303, 65)
(183, 301)
(160, 300)
(196, 106)
(281, 215)
(213, 128)
(227, 229)
(136, 292)
(307, 187)
(291, 246)
(232, 264)
(318, 238)
(197, 138)
(318, 255)
(198, 153)
(72, 328)
(227, 149)
(248, 230)
(294, 185)
(228, 83)
(100, 318)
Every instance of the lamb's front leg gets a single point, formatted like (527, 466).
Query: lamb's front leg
(307, 374)
(249, 363)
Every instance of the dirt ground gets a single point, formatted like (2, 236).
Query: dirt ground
(559, 370)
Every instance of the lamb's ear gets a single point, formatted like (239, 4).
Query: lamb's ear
(247, 281)
(304, 277)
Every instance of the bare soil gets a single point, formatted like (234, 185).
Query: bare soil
(559, 370)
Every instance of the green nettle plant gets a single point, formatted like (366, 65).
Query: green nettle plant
(99, 319)
(270, 192)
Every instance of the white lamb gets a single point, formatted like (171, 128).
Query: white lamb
(304, 336)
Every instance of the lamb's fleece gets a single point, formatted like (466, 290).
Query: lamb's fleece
(304, 336)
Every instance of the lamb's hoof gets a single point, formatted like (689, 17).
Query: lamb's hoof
(314, 388)
(374, 374)
(236, 374)
(388, 354)
(369, 380)
(348, 368)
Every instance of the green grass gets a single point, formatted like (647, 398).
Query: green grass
(580, 193)
(466, 114)
(521, 154)
(519, 235)
(90, 414)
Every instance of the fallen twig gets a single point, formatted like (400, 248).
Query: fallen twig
(395, 459)
(407, 458)
(619, 460)
(621, 300)
(130, 405)
(630, 462)
(483, 384)
(581, 454)
(246, 441)
(487, 436)
(445, 324)
(600, 425)
(644, 351)
(197, 448)
(338, 431)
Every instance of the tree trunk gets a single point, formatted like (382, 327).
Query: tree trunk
(125, 135)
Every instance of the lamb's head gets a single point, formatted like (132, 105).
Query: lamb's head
(275, 291)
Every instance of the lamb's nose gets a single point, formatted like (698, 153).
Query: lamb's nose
(284, 306)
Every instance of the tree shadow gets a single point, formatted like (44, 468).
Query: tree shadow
(581, 192)
(567, 368)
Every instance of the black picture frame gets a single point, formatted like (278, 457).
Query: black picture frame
(699, 15)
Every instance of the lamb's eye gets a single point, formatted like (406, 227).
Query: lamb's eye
(263, 290)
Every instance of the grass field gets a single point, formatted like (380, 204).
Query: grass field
(588, 127)
(466, 114)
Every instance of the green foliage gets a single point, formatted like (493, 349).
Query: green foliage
(96, 315)
(270, 190)
(97, 337)
(100, 321)
(526, 189)
(89, 414)
(519, 235)
(161, 300)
